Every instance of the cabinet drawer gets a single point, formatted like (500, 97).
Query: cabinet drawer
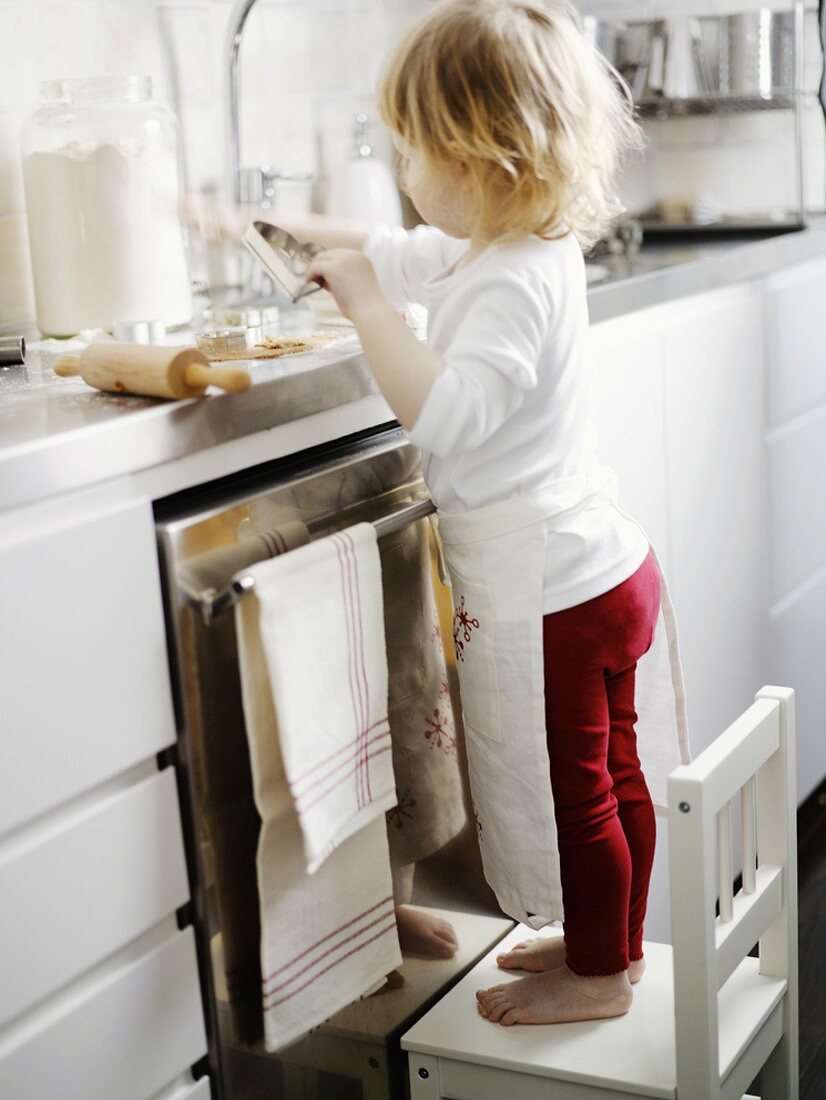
(123, 1036)
(84, 679)
(88, 888)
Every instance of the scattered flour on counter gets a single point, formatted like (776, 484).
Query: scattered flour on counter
(106, 237)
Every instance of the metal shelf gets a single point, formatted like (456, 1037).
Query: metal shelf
(729, 226)
(790, 98)
(660, 107)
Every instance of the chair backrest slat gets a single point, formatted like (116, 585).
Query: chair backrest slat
(724, 863)
(748, 834)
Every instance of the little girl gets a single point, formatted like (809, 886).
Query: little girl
(511, 128)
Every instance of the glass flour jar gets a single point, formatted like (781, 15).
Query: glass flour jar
(100, 167)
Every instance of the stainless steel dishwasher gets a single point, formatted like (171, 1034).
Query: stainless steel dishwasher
(206, 537)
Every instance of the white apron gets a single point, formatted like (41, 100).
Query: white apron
(496, 560)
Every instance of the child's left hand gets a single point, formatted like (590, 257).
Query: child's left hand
(350, 278)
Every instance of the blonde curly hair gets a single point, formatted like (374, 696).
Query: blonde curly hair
(514, 89)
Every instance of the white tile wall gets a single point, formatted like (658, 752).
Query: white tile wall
(307, 66)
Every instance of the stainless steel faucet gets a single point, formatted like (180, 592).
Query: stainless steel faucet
(248, 185)
(237, 20)
(253, 186)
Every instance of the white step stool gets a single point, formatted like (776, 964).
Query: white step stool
(720, 1041)
(360, 1042)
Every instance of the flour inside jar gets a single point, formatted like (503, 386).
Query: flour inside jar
(106, 237)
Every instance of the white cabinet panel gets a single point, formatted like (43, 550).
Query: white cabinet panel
(84, 682)
(121, 1038)
(796, 339)
(797, 461)
(797, 641)
(626, 364)
(717, 503)
(85, 890)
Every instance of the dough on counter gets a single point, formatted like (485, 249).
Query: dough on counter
(274, 347)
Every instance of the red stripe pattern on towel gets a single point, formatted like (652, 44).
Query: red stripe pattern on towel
(359, 689)
(328, 759)
(328, 952)
(354, 699)
(362, 669)
(330, 781)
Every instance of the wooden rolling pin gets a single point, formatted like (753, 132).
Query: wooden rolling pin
(150, 370)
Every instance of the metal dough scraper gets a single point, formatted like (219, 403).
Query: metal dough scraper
(284, 258)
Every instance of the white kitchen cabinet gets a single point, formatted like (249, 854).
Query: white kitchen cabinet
(717, 514)
(797, 655)
(796, 438)
(796, 449)
(84, 682)
(122, 1035)
(795, 326)
(678, 402)
(625, 358)
(100, 995)
(84, 889)
(797, 500)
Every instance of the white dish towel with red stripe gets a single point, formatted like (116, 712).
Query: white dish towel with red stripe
(322, 628)
(314, 687)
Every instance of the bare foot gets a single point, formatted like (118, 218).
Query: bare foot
(395, 980)
(636, 969)
(555, 997)
(425, 934)
(537, 955)
(547, 953)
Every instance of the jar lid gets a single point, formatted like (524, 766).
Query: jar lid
(91, 89)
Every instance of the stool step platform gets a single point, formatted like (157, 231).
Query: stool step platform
(455, 1052)
(356, 1051)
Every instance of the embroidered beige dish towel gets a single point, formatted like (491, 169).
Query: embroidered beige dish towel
(430, 811)
(330, 937)
(322, 628)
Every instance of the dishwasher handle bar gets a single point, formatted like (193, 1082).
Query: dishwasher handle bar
(214, 604)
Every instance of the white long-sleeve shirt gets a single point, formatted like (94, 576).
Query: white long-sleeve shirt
(509, 411)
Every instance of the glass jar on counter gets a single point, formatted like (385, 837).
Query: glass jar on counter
(102, 183)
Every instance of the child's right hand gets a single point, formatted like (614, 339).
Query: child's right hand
(350, 278)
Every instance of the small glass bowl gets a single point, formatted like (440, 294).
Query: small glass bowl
(213, 341)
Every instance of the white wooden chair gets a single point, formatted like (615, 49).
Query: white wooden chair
(706, 1017)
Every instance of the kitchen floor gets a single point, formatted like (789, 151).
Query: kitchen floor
(811, 843)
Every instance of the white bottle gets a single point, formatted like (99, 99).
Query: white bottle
(363, 188)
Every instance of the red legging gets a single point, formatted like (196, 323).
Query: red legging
(604, 814)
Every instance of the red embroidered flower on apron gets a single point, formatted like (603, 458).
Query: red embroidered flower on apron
(444, 690)
(463, 625)
(436, 632)
(440, 732)
(404, 804)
